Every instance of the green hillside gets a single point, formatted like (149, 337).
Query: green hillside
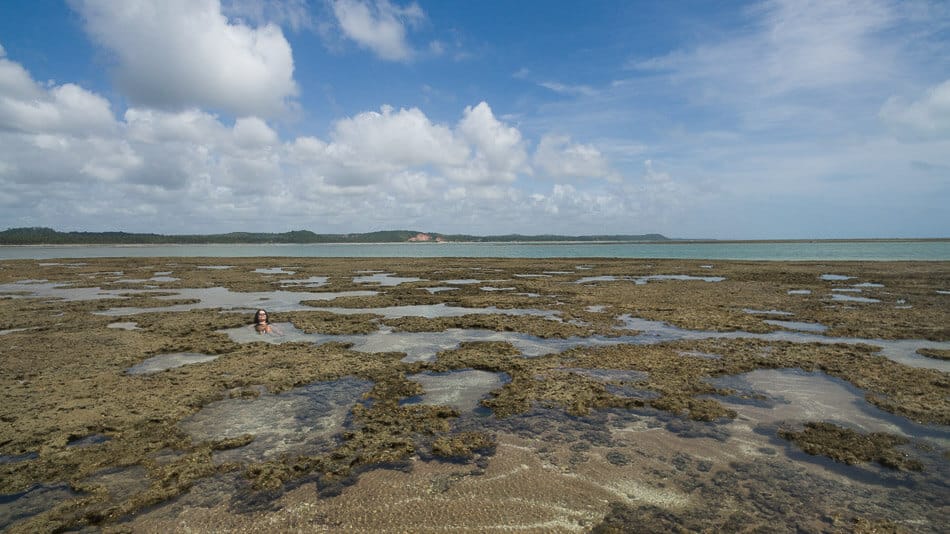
(48, 236)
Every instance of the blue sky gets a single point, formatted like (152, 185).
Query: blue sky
(744, 120)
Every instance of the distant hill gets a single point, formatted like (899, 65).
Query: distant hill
(48, 236)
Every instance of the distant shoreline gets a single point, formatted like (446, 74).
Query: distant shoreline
(671, 241)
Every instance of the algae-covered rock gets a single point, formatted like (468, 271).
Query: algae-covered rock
(934, 353)
(464, 445)
(852, 447)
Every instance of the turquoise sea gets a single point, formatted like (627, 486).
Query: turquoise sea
(938, 250)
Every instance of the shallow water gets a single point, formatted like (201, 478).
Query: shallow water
(424, 346)
(219, 297)
(432, 311)
(12, 330)
(169, 361)
(794, 395)
(798, 325)
(646, 458)
(461, 389)
(124, 325)
(302, 421)
(850, 298)
(812, 250)
(35, 500)
(144, 280)
(766, 312)
(434, 290)
(63, 291)
(617, 382)
(418, 346)
(551, 471)
(313, 281)
(88, 441)
(643, 280)
(120, 483)
(274, 270)
(835, 277)
(384, 279)
(902, 350)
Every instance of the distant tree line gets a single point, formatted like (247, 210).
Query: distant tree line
(48, 236)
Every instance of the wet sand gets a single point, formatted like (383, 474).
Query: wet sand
(593, 395)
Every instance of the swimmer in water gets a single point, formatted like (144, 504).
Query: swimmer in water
(262, 323)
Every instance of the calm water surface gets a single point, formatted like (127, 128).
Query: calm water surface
(815, 250)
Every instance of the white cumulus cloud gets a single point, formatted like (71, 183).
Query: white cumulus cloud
(404, 137)
(178, 54)
(499, 149)
(26, 106)
(66, 161)
(378, 26)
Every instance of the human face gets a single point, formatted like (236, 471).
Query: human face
(262, 315)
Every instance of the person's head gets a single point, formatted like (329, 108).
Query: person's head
(260, 317)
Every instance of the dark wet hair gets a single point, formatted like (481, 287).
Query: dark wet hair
(257, 320)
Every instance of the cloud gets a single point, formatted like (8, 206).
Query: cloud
(570, 90)
(788, 46)
(252, 132)
(15, 81)
(499, 150)
(378, 26)
(189, 170)
(925, 118)
(375, 147)
(654, 202)
(822, 43)
(403, 138)
(560, 158)
(65, 108)
(179, 54)
(190, 126)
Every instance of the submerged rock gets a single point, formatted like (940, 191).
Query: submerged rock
(851, 447)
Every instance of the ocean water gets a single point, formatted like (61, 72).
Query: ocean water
(777, 251)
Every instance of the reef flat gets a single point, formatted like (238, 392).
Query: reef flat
(474, 394)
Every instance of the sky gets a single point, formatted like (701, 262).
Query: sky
(775, 119)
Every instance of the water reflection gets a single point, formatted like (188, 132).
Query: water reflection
(424, 346)
(168, 361)
(302, 421)
(797, 395)
(63, 291)
(431, 311)
(383, 279)
(900, 350)
(798, 325)
(219, 297)
(37, 499)
(851, 298)
(124, 325)
(643, 280)
(313, 281)
(419, 346)
(274, 270)
(462, 389)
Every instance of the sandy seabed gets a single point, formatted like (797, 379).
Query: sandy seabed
(417, 395)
